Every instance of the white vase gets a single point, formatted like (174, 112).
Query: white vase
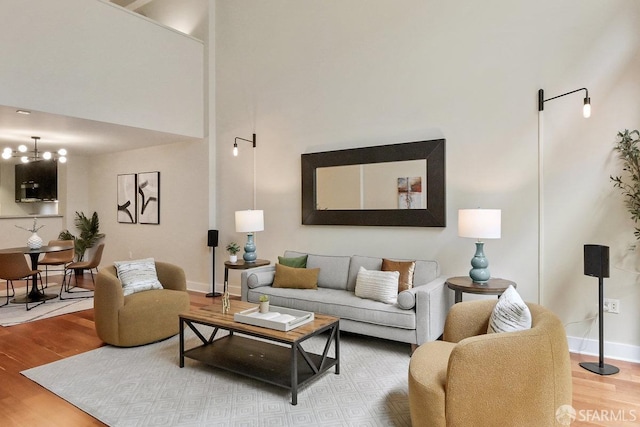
(35, 241)
(233, 258)
(264, 307)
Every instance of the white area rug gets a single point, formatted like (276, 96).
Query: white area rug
(14, 314)
(143, 386)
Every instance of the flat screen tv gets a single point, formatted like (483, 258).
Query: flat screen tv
(37, 181)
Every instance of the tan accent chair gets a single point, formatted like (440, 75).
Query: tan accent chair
(143, 317)
(13, 266)
(472, 378)
(60, 259)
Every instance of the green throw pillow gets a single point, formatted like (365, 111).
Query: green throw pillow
(298, 262)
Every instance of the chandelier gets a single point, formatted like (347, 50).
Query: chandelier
(34, 155)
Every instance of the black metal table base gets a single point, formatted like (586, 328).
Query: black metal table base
(277, 364)
(30, 299)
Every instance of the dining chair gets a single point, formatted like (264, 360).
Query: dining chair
(13, 266)
(61, 258)
(90, 265)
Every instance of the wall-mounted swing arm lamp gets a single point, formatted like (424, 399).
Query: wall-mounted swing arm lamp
(235, 143)
(586, 112)
(586, 108)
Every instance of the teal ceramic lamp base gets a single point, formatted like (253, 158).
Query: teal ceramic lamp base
(480, 271)
(249, 249)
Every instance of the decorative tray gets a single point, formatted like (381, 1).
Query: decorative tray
(278, 318)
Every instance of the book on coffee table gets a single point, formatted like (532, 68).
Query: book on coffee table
(278, 318)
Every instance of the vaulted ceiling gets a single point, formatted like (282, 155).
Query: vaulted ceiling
(78, 136)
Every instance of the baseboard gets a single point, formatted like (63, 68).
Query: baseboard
(199, 287)
(612, 350)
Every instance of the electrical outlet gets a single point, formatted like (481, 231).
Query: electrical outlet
(611, 306)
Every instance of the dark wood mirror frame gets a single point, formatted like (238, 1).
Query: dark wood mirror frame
(432, 151)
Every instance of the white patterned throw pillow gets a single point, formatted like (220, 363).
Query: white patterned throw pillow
(137, 275)
(510, 313)
(377, 285)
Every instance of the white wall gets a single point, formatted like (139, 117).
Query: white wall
(305, 74)
(181, 236)
(93, 60)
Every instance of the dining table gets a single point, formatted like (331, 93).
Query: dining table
(34, 295)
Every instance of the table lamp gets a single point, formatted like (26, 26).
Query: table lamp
(249, 222)
(479, 224)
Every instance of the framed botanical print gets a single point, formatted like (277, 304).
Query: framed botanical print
(149, 197)
(127, 198)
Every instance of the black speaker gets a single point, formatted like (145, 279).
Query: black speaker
(596, 263)
(212, 240)
(596, 260)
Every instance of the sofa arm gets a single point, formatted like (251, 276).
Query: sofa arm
(468, 319)
(254, 278)
(432, 304)
(517, 366)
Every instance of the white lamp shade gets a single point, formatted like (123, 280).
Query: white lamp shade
(249, 221)
(479, 223)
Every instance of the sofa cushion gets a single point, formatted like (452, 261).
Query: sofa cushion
(377, 285)
(425, 272)
(405, 268)
(263, 277)
(334, 270)
(510, 313)
(297, 262)
(342, 304)
(406, 300)
(357, 261)
(137, 275)
(296, 278)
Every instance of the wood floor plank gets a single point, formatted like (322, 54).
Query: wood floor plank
(25, 403)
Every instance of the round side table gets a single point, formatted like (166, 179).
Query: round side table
(462, 284)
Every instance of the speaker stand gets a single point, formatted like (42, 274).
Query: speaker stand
(600, 368)
(213, 275)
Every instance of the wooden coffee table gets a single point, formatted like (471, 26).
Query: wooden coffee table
(288, 365)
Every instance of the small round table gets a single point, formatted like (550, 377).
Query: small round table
(35, 295)
(462, 284)
(238, 265)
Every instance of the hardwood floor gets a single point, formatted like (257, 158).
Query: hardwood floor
(25, 403)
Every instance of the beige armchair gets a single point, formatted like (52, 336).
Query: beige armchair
(142, 317)
(472, 378)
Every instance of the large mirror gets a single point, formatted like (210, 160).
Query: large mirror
(387, 185)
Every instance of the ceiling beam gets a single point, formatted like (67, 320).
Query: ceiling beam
(137, 4)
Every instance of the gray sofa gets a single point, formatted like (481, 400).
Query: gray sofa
(418, 316)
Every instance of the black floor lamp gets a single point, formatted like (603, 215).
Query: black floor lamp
(212, 242)
(596, 264)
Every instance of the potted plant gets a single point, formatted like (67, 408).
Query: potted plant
(233, 248)
(629, 153)
(89, 234)
(264, 303)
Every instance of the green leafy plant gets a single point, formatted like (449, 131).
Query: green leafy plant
(89, 229)
(629, 152)
(233, 248)
(264, 298)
